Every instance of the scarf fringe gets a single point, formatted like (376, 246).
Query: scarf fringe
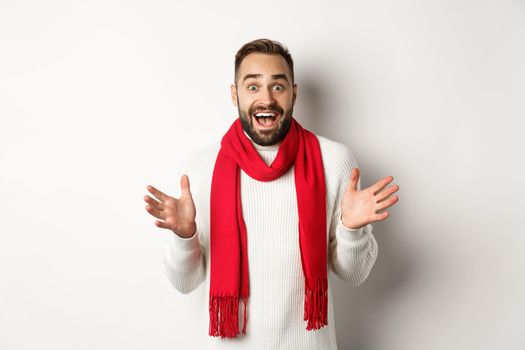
(316, 305)
(224, 316)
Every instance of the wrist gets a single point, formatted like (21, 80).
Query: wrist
(185, 233)
(348, 224)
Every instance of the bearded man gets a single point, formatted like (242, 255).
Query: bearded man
(272, 209)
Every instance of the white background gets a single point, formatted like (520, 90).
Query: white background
(100, 98)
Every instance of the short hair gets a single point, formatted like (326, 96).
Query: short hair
(266, 46)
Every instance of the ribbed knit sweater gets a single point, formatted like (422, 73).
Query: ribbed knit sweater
(275, 304)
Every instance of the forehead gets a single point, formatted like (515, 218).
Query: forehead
(265, 64)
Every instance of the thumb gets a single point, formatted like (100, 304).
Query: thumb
(185, 186)
(354, 177)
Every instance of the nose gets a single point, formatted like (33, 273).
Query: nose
(266, 96)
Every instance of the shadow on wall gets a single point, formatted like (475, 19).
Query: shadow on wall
(357, 310)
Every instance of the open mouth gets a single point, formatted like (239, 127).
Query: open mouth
(266, 120)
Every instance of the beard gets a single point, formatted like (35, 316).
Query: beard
(266, 137)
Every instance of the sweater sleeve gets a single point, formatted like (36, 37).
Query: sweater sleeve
(183, 260)
(352, 252)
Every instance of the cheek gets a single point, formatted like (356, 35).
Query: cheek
(286, 99)
(244, 101)
(286, 102)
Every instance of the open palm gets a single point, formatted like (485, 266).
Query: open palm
(177, 214)
(359, 208)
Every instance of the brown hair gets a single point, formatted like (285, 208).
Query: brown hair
(263, 46)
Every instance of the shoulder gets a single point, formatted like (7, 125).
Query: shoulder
(338, 162)
(336, 155)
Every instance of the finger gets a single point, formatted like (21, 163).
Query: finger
(387, 203)
(157, 193)
(159, 214)
(384, 194)
(156, 204)
(382, 216)
(162, 224)
(354, 177)
(378, 186)
(185, 186)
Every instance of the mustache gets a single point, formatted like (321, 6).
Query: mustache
(272, 108)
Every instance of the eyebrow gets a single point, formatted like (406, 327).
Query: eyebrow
(274, 77)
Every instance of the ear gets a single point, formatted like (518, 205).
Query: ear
(294, 94)
(233, 90)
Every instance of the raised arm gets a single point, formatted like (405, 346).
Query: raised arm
(183, 260)
(352, 249)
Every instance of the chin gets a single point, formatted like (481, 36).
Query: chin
(276, 135)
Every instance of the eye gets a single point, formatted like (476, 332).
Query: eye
(278, 87)
(252, 86)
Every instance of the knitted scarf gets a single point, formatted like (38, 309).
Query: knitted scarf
(228, 242)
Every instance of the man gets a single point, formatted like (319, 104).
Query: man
(272, 208)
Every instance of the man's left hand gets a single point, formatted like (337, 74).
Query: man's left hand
(359, 208)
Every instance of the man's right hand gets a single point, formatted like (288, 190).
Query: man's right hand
(178, 214)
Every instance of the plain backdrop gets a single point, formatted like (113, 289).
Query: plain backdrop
(100, 98)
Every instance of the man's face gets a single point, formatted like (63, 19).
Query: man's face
(264, 85)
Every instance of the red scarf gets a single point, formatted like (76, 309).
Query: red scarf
(228, 244)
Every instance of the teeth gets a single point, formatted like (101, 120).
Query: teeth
(265, 115)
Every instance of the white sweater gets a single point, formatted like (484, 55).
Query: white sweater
(275, 304)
